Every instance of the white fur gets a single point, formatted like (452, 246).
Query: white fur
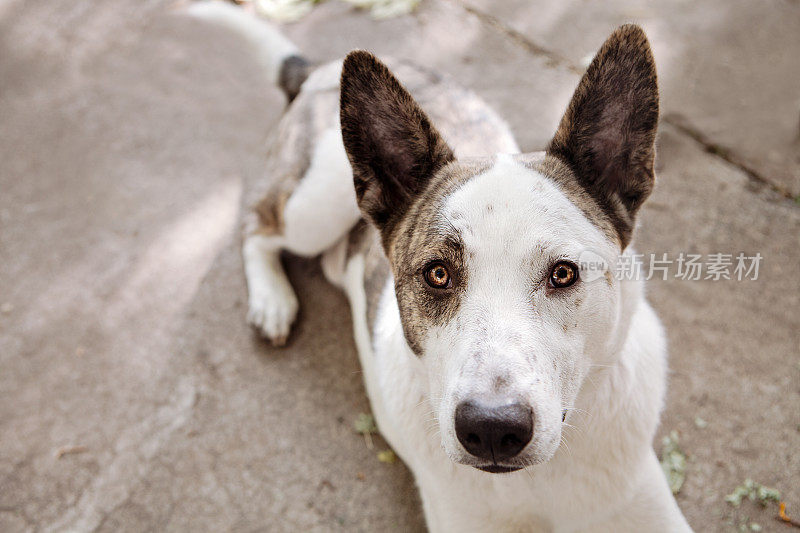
(272, 302)
(272, 47)
(601, 474)
(319, 212)
(323, 207)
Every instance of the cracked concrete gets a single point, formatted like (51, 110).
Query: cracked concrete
(128, 138)
(728, 69)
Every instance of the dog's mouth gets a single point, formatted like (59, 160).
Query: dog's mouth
(498, 469)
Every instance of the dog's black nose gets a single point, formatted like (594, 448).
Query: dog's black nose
(493, 433)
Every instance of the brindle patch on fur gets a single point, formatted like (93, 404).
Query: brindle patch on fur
(364, 240)
(270, 214)
(423, 236)
(288, 157)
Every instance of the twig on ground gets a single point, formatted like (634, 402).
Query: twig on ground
(68, 450)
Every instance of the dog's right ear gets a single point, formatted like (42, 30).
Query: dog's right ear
(392, 145)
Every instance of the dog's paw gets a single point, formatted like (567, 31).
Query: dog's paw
(273, 315)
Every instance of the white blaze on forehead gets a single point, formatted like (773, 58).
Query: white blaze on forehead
(513, 210)
(508, 338)
(514, 223)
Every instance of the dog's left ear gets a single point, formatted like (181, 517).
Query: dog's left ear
(607, 134)
(392, 145)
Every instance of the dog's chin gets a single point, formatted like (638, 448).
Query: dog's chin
(498, 469)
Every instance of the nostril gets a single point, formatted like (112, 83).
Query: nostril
(510, 440)
(471, 430)
(493, 432)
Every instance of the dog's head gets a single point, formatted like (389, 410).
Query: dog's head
(486, 253)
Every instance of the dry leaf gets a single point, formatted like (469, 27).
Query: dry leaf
(387, 456)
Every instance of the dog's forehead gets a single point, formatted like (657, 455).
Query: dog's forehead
(510, 203)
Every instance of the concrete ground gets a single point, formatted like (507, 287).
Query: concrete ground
(134, 397)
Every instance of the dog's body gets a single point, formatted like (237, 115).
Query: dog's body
(490, 332)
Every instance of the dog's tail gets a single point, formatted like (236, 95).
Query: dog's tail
(284, 64)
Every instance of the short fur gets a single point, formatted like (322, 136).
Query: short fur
(588, 362)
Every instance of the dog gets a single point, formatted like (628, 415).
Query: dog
(522, 393)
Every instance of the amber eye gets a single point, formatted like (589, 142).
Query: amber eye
(563, 275)
(437, 276)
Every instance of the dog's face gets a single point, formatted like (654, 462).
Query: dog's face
(486, 254)
(491, 297)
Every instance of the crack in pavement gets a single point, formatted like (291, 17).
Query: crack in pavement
(673, 119)
(683, 125)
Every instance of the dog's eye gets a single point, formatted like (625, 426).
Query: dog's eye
(437, 276)
(563, 274)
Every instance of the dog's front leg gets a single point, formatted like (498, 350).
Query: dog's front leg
(272, 301)
(431, 507)
(438, 517)
(449, 507)
(321, 209)
(653, 508)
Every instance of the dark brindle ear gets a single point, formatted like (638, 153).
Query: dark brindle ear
(393, 147)
(607, 134)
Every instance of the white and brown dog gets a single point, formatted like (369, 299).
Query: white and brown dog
(523, 395)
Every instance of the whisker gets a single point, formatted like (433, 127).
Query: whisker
(564, 443)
